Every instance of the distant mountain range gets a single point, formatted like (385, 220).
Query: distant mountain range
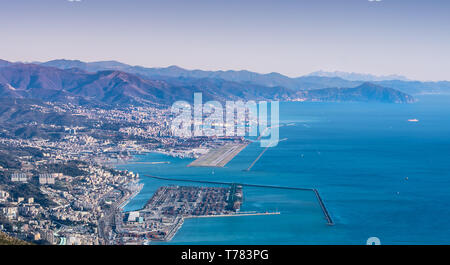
(358, 76)
(367, 92)
(317, 80)
(118, 88)
(4, 63)
(115, 83)
(243, 76)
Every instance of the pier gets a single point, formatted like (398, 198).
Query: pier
(324, 209)
(180, 221)
(316, 192)
(234, 214)
(256, 160)
(261, 154)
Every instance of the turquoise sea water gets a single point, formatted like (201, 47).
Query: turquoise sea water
(379, 176)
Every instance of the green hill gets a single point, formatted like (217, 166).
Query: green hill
(7, 240)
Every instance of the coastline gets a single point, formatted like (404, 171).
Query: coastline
(134, 193)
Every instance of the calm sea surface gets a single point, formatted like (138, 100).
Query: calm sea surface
(379, 176)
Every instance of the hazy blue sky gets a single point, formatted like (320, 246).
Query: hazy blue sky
(407, 37)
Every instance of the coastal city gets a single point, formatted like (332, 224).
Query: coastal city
(62, 187)
(221, 131)
(165, 212)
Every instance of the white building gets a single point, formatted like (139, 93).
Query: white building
(133, 216)
(46, 179)
(3, 196)
(19, 177)
(10, 212)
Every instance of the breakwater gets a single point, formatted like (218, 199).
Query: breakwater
(315, 191)
(261, 154)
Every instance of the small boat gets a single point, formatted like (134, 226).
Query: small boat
(413, 120)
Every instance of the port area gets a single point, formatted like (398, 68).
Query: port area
(261, 154)
(315, 191)
(165, 212)
(219, 156)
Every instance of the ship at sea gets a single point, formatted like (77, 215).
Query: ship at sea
(360, 187)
